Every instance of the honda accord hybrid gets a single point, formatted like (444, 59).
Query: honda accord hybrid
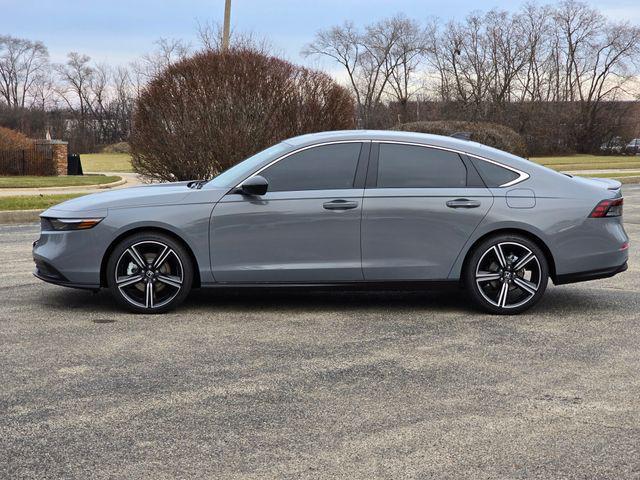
(372, 209)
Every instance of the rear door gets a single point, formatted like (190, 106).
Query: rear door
(306, 228)
(420, 206)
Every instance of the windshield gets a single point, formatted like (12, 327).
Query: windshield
(231, 177)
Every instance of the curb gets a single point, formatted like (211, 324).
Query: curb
(117, 183)
(19, 216)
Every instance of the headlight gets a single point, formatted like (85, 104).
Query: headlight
(58, 224)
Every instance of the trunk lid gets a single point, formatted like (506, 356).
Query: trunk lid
(607, 184)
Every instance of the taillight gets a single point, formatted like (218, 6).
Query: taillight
(608, 208)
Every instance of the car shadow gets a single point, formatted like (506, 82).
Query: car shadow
(555, 302)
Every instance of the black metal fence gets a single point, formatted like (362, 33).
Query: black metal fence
(37, 160)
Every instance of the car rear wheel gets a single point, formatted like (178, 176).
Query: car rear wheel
(506, 274)
(149, 273)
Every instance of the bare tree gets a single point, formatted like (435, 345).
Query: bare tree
(342, 44)
(378, 62)
(44, 92)
(210, 35)
(166, 53)
(407, 55)
(124, 95)
(596, 60)
(98, 101)
(75, 77)
(534, 82)
(370, 58)
(438, 59)
(508, 47)
(23, 63)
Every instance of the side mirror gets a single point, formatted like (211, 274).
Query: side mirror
(255, 185)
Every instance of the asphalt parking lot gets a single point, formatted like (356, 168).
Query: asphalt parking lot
(318, 385)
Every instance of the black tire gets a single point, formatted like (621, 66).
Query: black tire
(161, 287)
(519, 294)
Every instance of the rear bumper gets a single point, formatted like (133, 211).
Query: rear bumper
(590, 275)
(62, 283)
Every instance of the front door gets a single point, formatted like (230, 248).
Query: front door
(306, 228)
(421, 206)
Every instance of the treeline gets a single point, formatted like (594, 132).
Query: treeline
(563, 75)
(86, 103)
(547, 128)
(549, 71)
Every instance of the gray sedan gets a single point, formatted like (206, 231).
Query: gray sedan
(366, 209)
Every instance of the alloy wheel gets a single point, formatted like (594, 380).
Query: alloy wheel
(508, 275)
(149, 274)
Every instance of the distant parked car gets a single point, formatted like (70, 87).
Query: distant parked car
(615, 146)
(343, 209)
(633, 147)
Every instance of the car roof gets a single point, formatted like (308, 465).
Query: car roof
(452, 143)
(389, 135)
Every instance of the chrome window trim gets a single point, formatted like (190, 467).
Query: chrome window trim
(522, 176)
(273, 162)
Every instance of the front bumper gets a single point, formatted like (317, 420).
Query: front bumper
(70, 259)
(63, 282)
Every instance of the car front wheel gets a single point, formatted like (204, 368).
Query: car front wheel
(506, 274)
(149, 273)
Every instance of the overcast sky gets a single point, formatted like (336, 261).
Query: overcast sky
(118, 31)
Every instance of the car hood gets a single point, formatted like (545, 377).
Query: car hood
(97, 204)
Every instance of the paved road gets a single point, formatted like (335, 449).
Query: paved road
(317, 385)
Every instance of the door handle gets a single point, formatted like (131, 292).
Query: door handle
(339, 205)
(463, 203)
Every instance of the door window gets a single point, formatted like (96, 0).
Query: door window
(327, 167)
(409, 166)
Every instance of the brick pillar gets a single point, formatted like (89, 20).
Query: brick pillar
(59, 151)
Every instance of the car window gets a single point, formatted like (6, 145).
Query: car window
(232, 176)
(408, 166)
(494, 175)
(326, 167)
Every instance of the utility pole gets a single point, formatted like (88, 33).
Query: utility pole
(227, 25)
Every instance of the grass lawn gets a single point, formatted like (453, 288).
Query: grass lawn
(34, 202)
(589, 162)
(71, 181)
(106, 162)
